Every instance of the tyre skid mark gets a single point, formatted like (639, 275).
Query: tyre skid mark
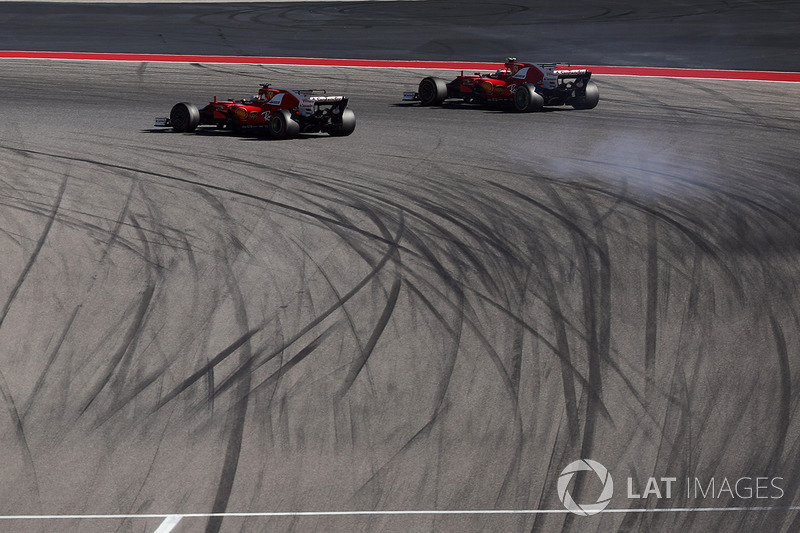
(696, 237)
(22, 441)
(595, 284)
(77, 219)
(14, 413)
(561, 347)
(785, 388)
(243, 371)
(339, 304)
(358, 365)
(207, 369)
(210, 186)
(527, 282)
(119, 361)
(431, 259)
(454, 332)
(259, 359)
(35, 253)
(391, 300)
(487, 240)
(54, 353)
(237, 421)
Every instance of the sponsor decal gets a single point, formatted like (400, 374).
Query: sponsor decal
(253, 115)
(521, 74)
(326, 98)
(241, 113)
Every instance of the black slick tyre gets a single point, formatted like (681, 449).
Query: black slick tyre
(345, 126)
(589, 99)
(184, 117)
(432, 91)
(283, 126)
(527, 100)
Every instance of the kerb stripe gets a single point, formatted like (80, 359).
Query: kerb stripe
(660, 72)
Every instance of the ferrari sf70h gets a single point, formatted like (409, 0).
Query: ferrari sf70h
(282, 113)
(525, 87)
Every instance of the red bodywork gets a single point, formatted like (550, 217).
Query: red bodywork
(280, 112)
(500, 85)
(552, 84)
(256, 112)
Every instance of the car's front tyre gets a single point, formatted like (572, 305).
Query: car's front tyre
(432, 91)
(184, 117)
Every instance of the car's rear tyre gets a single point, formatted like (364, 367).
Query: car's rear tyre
(283, 126)
(432, 91)
(589, 99)
(346, 126)
(184, 117)
(526, 99)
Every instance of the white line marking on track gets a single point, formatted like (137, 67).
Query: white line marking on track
(169, 523)
(177, 517)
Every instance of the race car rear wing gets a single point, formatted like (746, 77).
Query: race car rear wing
(571, 79)
(554, 77)
(571, 72)
(326, 99)
(319, 106)
(312, 96)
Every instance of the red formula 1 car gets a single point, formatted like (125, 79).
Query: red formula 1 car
(283, 113)
(526, 86)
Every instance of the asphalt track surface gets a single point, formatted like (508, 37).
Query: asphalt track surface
(439, 312)
(735, 34)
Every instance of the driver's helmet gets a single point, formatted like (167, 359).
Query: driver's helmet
(507, 70)
(263, 92)
(513, 67)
